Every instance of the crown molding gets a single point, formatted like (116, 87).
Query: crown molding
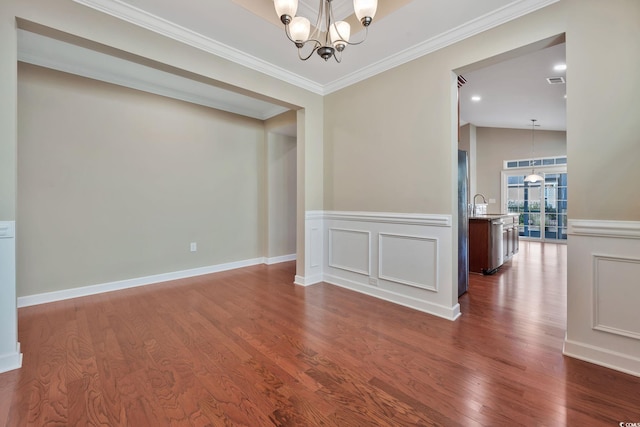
(464, 31)
(141, 18)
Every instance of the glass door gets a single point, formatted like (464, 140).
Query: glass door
(542, 206)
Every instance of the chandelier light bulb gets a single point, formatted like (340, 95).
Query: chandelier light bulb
(300, 28)
(365, 10)
(340, 33)
(286, 9)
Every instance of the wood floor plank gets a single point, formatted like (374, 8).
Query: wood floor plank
(247, 347)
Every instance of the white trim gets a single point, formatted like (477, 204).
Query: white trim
(11, 361)
(279, 259)
(390, 217)
(602, 228)
(308, 215)
(396, 298)
(131, 283)
(141, 18)
(7, 229)
(529, 166)
(603, 357)
(146, 20)
(307, 280)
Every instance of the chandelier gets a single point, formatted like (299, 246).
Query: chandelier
(329, 37)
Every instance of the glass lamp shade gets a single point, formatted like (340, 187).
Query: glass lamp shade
(340, 33)
(533, 177)
(299, 29)
(365, 8)
(286, 7)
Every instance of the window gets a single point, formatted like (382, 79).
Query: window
(542, 206)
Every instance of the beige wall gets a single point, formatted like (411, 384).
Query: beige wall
(468, 143)
(281, 188)
(603, 65)
(8, 113)
(281, 179)
(390, 140)
(392, 157)
(464, 138)
(115, 183)
(495, 145)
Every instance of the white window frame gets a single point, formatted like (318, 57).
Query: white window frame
(525, 171)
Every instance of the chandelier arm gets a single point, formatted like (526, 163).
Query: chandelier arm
(316, 45)
(304, 58)
(321, 5)
(366, 33)
(328, 16)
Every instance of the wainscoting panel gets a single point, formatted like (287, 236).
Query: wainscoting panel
(603, 300)
(350, 250)
(613, 299)
(10, 356)
(403, 258)
(408, 260)
(314, 249)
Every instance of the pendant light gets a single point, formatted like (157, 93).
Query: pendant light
(533, 176)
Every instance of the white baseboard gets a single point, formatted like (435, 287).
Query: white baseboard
(11, 361)
(279, 259)
(407, 301)
(307, 280)
(603, 357)
(47, 297)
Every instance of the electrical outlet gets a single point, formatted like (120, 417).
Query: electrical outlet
(194, 246)
(373, 281)
(492, 200)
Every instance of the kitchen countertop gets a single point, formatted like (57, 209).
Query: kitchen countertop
(489, 217)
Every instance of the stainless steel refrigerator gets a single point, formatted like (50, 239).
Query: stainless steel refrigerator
(463, 222)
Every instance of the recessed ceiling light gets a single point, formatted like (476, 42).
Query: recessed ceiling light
(560, 67)
(476, 98)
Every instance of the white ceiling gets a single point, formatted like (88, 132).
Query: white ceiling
(255, 38)
(515, 91)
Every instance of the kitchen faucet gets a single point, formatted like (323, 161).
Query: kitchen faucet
(473, 206)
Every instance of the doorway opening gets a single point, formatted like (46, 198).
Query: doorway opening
(499, 98)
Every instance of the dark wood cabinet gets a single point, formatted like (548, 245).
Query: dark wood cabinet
(493, 240)
(479, 245)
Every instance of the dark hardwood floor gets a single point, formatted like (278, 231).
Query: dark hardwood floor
(247, 347)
